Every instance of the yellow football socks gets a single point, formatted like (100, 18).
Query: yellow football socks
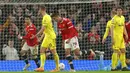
(42, 59)
(56, 58)
(114, 60)
(123, 59)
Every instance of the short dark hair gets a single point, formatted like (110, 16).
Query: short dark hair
(42, 7)
(119, 7)
(10, 39)
(27, 16)
(55, 15)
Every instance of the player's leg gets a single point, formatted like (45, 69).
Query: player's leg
(115, 57)
(75, 46)
(34, 52)
(44, 46)
(24, 55)
(68, 47)
(116, 53)
(55, 55)
(123, 59)
(123, 56)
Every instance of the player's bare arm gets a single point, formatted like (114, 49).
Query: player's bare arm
(125, 33)
(40, 32)
(41, 37)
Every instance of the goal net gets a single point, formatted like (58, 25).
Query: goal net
(88, 16)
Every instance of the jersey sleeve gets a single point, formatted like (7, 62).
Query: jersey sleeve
(107, 30)
(46, 20)
(69, 24)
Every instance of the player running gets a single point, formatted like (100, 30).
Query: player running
(69, 37)
(117, 31)
(31, 44)
(48, 42)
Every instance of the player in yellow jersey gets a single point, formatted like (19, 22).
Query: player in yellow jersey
(117, 31)
(49, 40)
(107, 32)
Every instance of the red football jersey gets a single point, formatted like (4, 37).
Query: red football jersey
(67, 29)
(30, 30)
(127, 25)
(93, 37)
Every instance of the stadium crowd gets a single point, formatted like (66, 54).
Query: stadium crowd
(89, 19)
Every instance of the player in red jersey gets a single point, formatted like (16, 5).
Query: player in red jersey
(69, 37)
(127, 25)
(31, 44)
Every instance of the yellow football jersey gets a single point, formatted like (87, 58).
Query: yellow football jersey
(47, 23)
(107, 29)
(118, 23)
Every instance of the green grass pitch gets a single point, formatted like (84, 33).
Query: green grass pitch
(74, 72)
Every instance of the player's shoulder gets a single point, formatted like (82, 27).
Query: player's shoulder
(33, 25)
(122, 17)
(109, 21)
(65, 19)
(114, 18)
(47, 16)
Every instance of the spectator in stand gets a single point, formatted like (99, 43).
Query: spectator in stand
(20, 18)
(87, 23)
(72, 17)
(102, 22)
(94, 39)
(80, 31)
(15, 9)
(10, 52)
(35, 10)
(12, 29)
(27, 11)
(34, 13)
(62, 11)
(9, 30)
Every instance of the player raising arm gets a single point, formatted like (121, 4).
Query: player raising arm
(69, 37)
(49, 40)
(117, 30)
(31, 44)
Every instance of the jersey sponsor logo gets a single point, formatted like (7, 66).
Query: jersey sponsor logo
(31, 29)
